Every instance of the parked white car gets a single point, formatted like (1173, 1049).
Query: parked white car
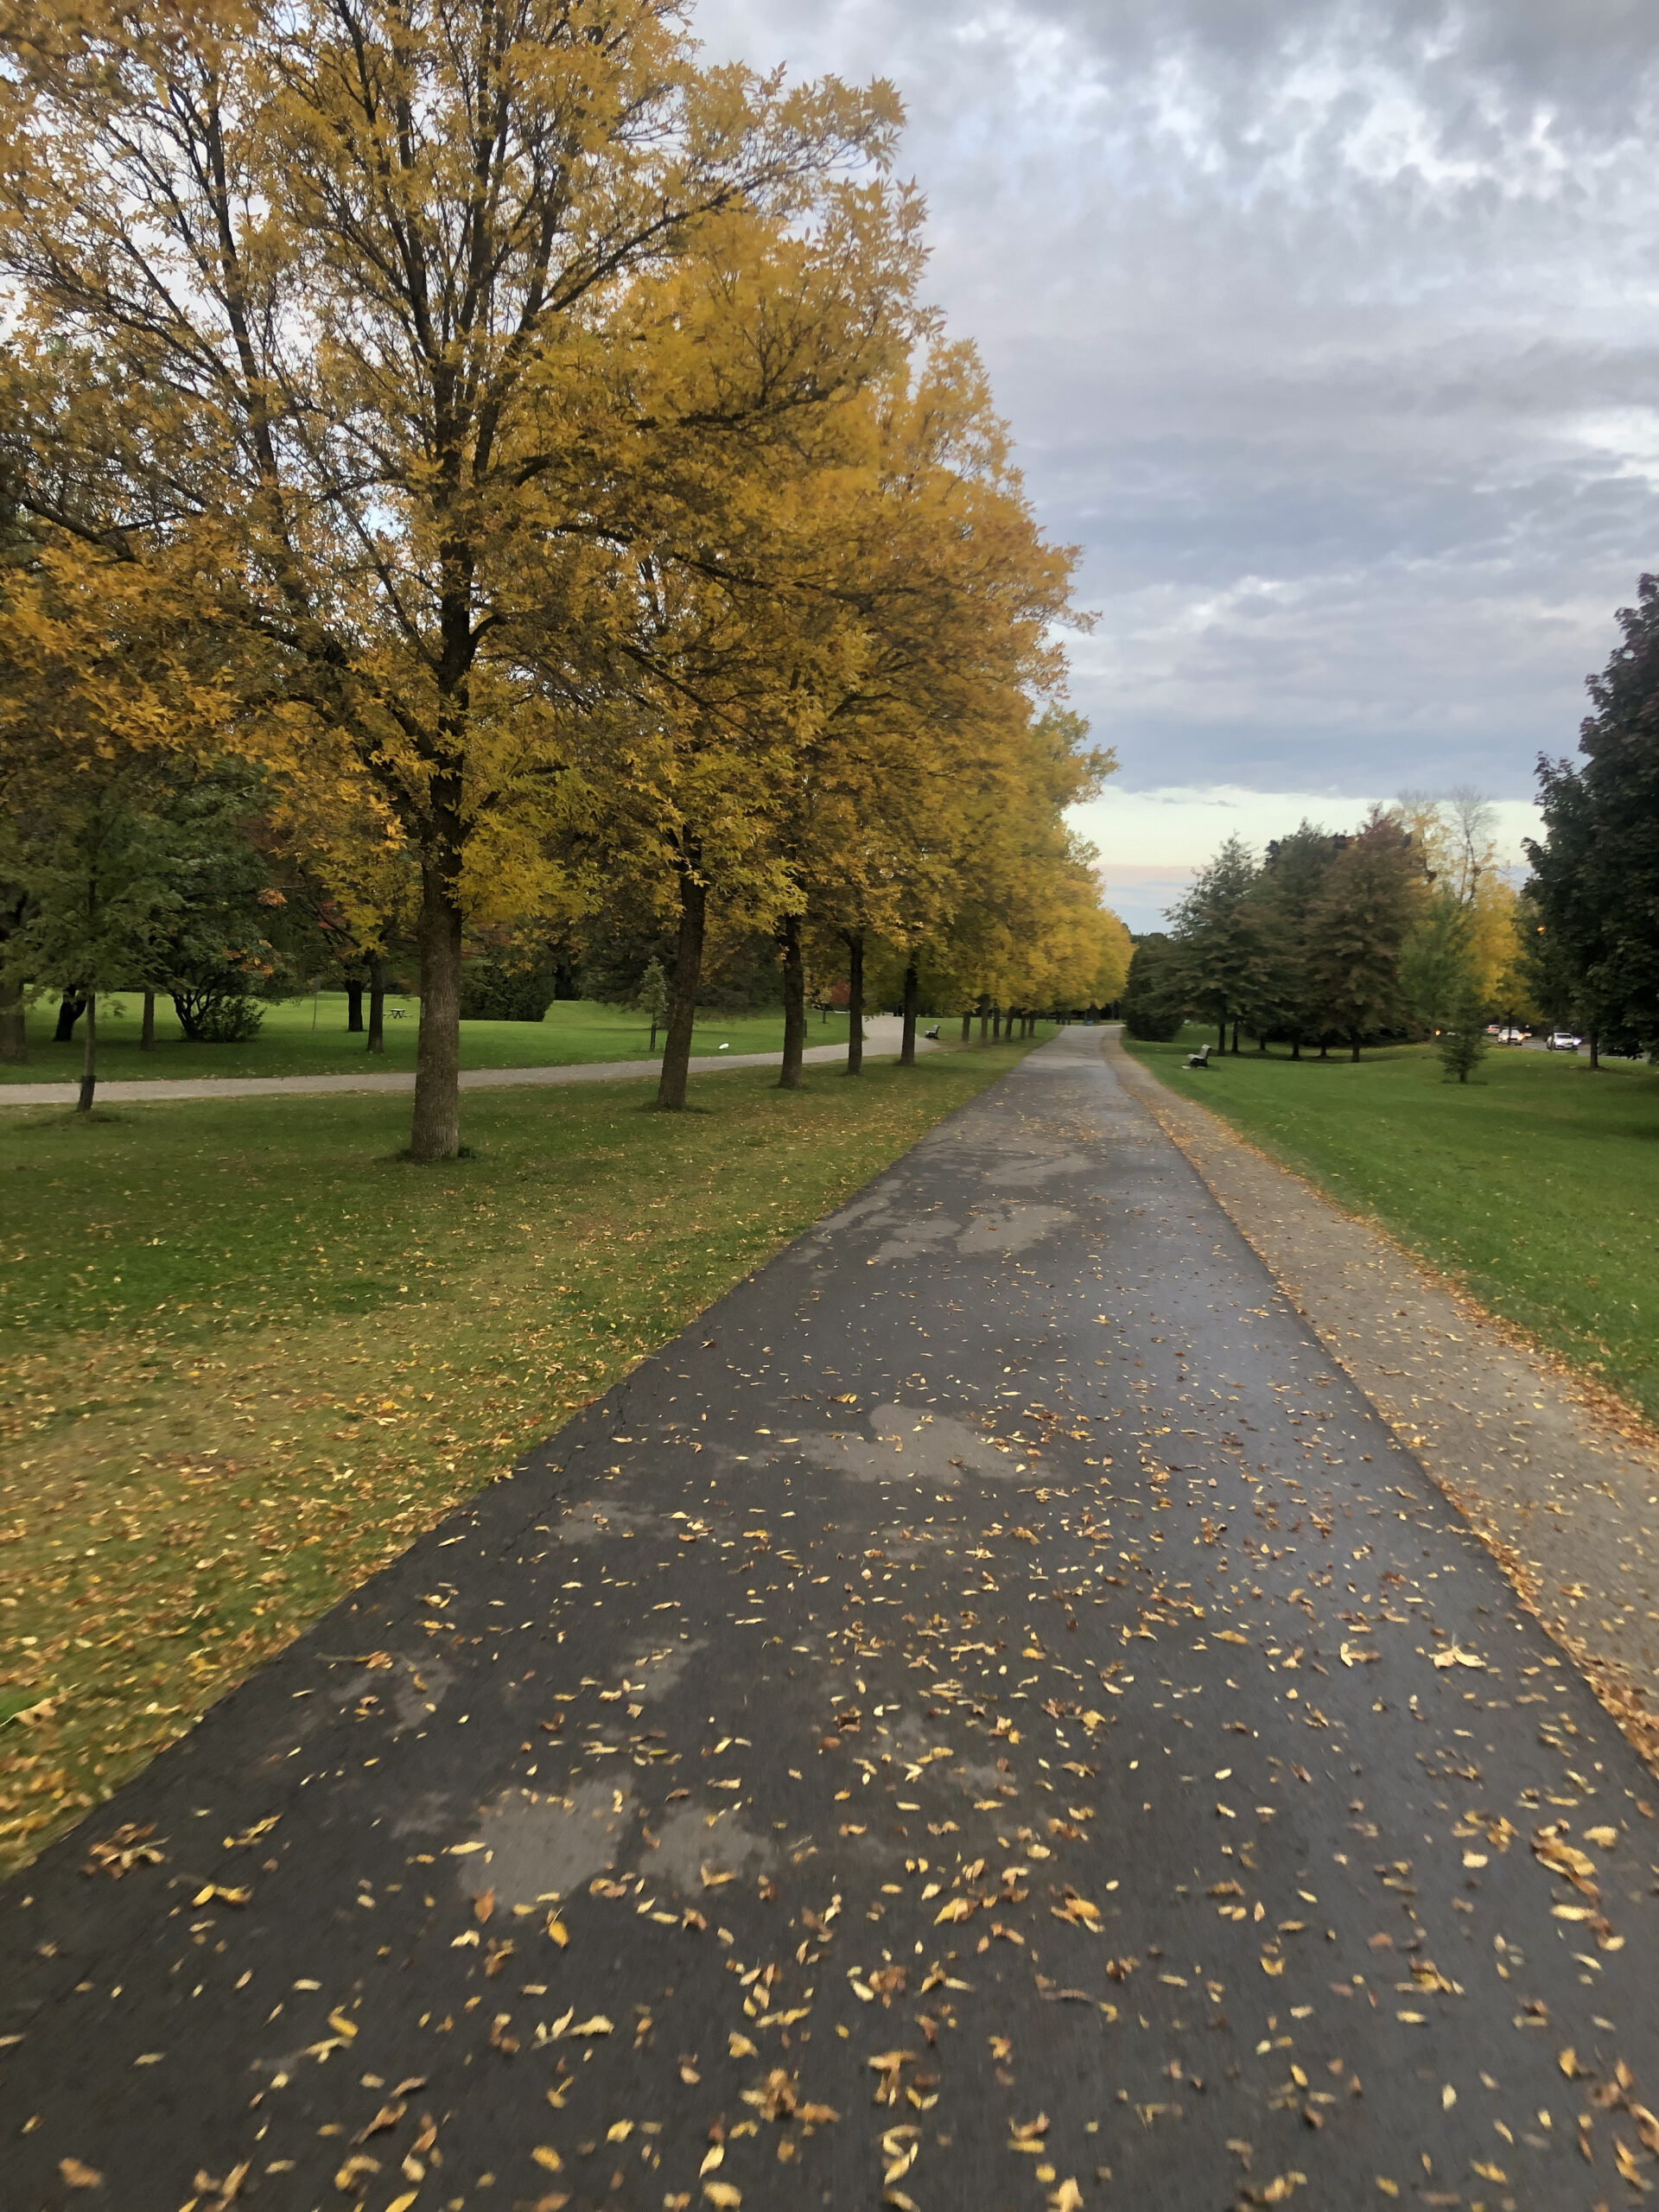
(1509, 1036)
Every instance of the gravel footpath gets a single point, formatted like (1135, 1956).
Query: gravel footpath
(882, 1034)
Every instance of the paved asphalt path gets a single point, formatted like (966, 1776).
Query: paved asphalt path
(986, 1719)
(883, 1032)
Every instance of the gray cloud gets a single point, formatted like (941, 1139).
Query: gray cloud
(1330, 333)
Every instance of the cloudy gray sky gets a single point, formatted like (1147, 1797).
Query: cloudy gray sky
(1330, 334)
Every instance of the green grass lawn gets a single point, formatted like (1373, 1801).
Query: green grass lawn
(246, 1354)
(1536, 1184)
(307, 1037)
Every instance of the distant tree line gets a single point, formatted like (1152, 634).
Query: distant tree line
(1405, 927)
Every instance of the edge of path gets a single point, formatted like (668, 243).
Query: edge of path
(1562, 1493)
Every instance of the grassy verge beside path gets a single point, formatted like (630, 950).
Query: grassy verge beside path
(248, 1355)
(299, 1038)
(1535, 1184)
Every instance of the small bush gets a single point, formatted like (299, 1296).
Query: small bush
(218, 1017)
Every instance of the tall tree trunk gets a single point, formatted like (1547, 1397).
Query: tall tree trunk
(907, 1046)
(855, 1002)
(14, 1034)
(789, 1075)
(354, 1005)
(70, 1009)
(434, 1132)
(1220, 1034)
(1296, 1047)
(996, 1025)
(984, 1018)
(966, 1025)
(147, 1027)
(1354, 1041)
(682, 989)
(1235, 1041)
(377, 1003)
(1595, 1049)
(89, 1057)
(1324, 1048)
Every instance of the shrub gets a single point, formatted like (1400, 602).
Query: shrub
(218, 1017)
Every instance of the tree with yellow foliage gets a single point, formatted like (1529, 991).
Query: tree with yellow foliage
(319, 307)
(943, 597)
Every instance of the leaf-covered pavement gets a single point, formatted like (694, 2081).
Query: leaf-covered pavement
(987, 1718)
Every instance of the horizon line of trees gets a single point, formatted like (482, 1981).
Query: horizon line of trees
(1406, 927)
(476, 478)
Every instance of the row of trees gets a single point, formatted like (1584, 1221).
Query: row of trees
(1595, 872)
(1408, 926)
(505, 467)
(1411, 926)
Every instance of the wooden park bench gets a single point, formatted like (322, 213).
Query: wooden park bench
(1200, 1058)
